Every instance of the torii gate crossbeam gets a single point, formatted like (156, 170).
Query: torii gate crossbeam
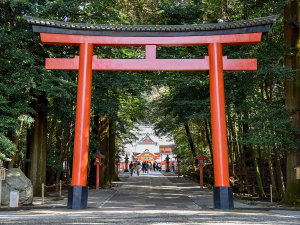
(86, 37)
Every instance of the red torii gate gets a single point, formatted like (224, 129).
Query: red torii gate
(86, 36)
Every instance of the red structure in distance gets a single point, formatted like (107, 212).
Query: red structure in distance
(117, 164)
(214, 36)
(98, 163)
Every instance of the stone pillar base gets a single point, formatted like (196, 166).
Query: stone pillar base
(223, 198)
(77, 197)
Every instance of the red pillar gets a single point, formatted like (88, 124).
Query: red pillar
(178, 169)
(81, 141)
(222, 191)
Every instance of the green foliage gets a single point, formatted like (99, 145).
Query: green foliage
(53, 160)
(184, 12)
(7, 148)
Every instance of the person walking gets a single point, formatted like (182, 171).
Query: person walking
(148, 167)
(144, 167)
(138, 168)
(131, 167)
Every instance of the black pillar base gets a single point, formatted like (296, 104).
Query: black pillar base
(223, 198)
(77, 197)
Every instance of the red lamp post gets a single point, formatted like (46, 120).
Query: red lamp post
(178, 158)
(98, 163)
(201, 163)
(117, 163)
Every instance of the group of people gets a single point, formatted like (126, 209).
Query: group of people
(135, 167)
(146, 167)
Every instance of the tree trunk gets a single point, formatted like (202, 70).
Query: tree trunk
(15, 140)
(258, 177)
(280, 181)
(107, 148)
(292, 94)
(62, 150)
(243, 150)
(112, 150)
(93, 170)
(292, 193)
(104, 148)
(260, 161)
(68, 153)
(246, 149)
(38, 145)
(207, 135)
(240, 163)
(245, 172)
(190, 139)
(51, 134)
(271, 170)
(230, 153)
(231, 145)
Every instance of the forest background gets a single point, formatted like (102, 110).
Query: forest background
(37, 107)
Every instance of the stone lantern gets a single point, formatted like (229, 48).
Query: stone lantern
(126, 164)
(201, 163)
(178, 158)
(168, 163)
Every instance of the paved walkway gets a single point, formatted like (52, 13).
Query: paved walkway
(149, 199)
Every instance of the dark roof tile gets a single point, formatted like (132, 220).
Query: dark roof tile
(253, 25)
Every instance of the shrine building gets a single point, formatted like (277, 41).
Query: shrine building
(149, 147)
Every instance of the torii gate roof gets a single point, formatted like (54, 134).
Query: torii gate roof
(256, 25)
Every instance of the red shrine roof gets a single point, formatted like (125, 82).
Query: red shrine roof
(201, 156)
(256, 25)
(147, 140)
(146, 156)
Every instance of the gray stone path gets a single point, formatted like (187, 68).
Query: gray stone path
(203, 197)
(150, 192)
(150, 199)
